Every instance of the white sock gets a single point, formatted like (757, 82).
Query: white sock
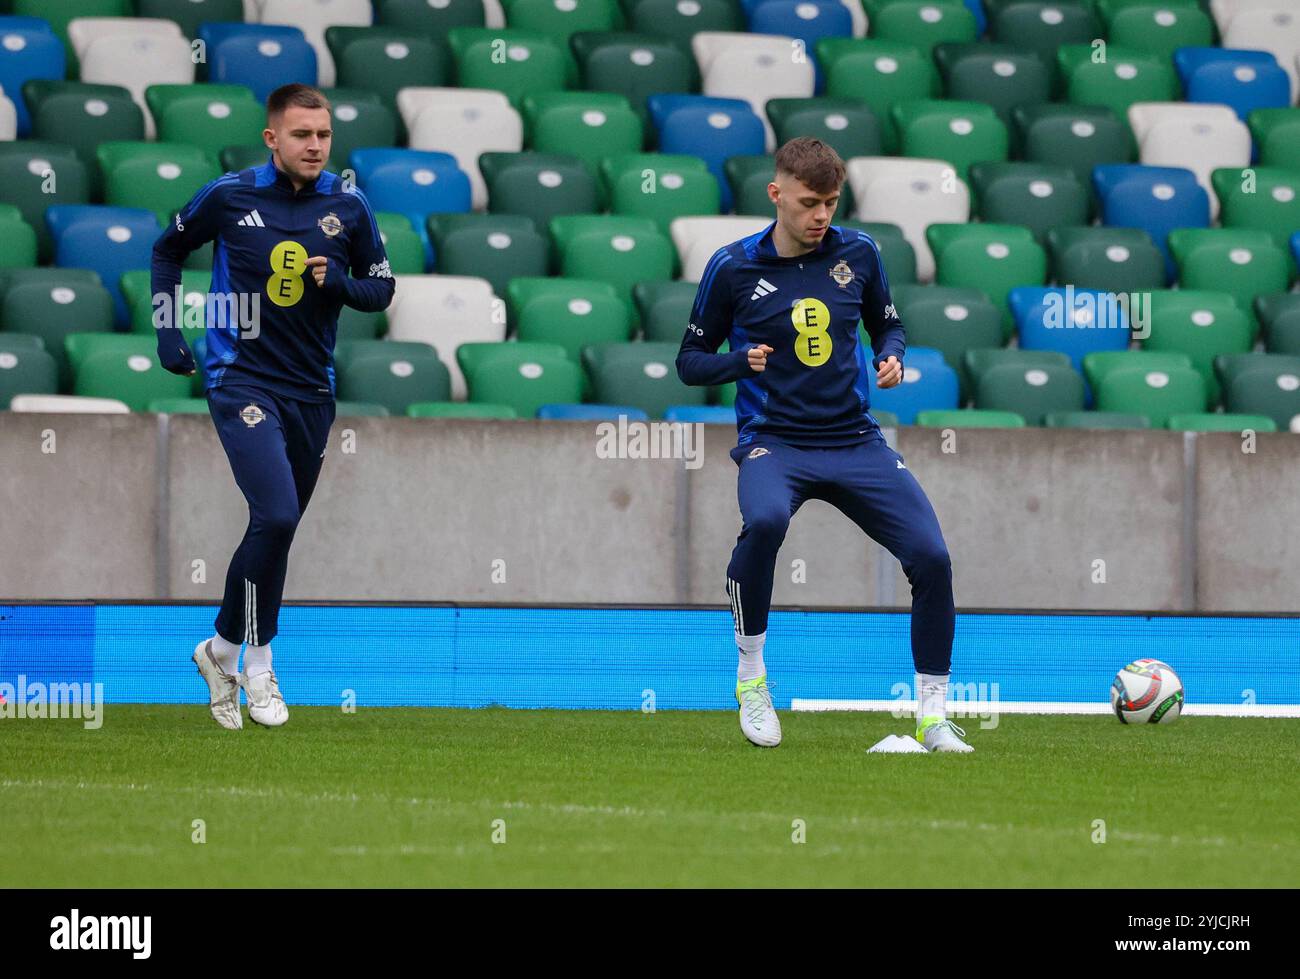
(931, 696)
(750, 648)
(226, 654)
(257, 659)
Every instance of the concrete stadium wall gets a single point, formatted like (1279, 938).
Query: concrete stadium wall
(416, 510)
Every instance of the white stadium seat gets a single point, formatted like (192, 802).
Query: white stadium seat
(446, 311)
(463, 122)
(753, 67)
(697, 238)
(1199, 137)
(1224, 10)
(312, 19)
(67, 404)
(82, 31)
(1275, 29)
(8, 117)
(136, 61)
(912, 194)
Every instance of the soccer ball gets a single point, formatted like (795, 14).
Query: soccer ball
(1147, 691)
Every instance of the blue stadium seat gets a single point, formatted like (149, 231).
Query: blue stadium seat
(928, 384)
(110, 240)
(1295, 246)
(594, 413)
(392, 180)
(701, 414)
(1075, 322)
(24, 22)
(28, 52)
(803, 19)
(1156, 199)
(1244, 80)
(710, 128)
(263, 60)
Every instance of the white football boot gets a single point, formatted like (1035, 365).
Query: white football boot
(265, 705)
(758, 720)
(223, 688)
(938, 734)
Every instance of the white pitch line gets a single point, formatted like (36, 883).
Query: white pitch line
(984, 708)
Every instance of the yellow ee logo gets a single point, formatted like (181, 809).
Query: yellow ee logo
(812, 322)
(288, 262)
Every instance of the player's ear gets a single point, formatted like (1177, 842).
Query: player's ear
(773, 192)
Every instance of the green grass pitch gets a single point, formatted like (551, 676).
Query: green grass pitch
(409, 797)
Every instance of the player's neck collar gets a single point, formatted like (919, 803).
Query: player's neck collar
(767, 246)
(269, 173)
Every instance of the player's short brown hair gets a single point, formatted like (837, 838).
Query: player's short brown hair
(808, 159)
(303, 96)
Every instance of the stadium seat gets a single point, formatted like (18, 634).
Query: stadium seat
(178, 406)
(664, 308)
(391, 373)
(634, 66)
(1096, 420)
(924, 23)
(425, 18)
(591, 413)
(849, 126)
(1097, 365)
(667, 193)
(52, 311)
(413, 183)
(1042, 28)
(1264, 198)
(1123, 260)
(1244, 80)
(879, 73)
(460, 409)
(611, 248)
(188, 16)
(162, 177)
(211, 123)
(931, 385)
(994, 258)
(1080, 137)
(588, 125)
(1156, 199)
(702, 414)
(124, 367)
(1075, 322)
(262, 61)
(806, 22)
(1274, 28)
(640, 374)
(710, 128)
(1241, 261)
(122, 55)
(402, 242)
(26, 367)
(1267, 390)
(67, 403)
(1220, 422)
(1158, 394)
(1228, 366)
(1201, 138)
(497, 247)
(696, 239)
(996, 74)
(30, 168)
(110, 240)
(912, 194)
(1030, 392)
(895, 251)
(1277, 136)
(525, 377)
(315, 20)
(560, 21)
(465, 123)
(568, 312)
(969, 418)
(17, 239)
(962, 133)
(539, 185)
(359, 119)
(385, 61)
(1157, 27)
(446, 311)
(27, 53)
(83, 116)
(533, 62)
(137, 291)
(952, 321)
(1125, 77)
(1279, 315)
(1035, 195)
(58, 14)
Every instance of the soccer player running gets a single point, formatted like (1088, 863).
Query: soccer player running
(287, 235)
(789, 299)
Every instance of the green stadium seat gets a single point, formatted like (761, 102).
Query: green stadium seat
(390, 373)
(18, 243)
(879, 73)
(359, 409)
(1126, 76)
(236, 158)
(615, 249)
(496, 247)
(178, 406)
(211, 123)
(53, 311)
(82, 116)
(1279, 315)
(1076, 136)
(1152, 392)
(612, 168)
(1098, 364)
(138, 293)
(161, 177)
(192, 13)
(1201, 325)
(885, 419)
(1266, 198)
(1095, 420)
(1157, 27)
(402, 244)
(962, 133)
(997, 74)
(26, 367)
(980, 359)
(1037, 195)
(952, 321)
(1123, 260)
(357, 325)
(633, 65)
(1042, 28)
(1242, 261)
(642, 375)
(588, 125)
(1031, 392)
(430, 20)
(385, 60)
(849, 126)
(1266, 389)
(540, 185)
(569, 312)
(522, 376)
(471, 357)
(895, 250)
(559, 21)
(533, 62)
(460, 409)
(1277, 135)
(666, 194)
(159, 98)
(924, 23)
(679, 22)
(994, 258)
(121, 366)
(359, 118)
(1220, 422)
(665, 308)
(968, 418)
(24, 165)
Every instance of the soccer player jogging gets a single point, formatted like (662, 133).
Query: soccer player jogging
(789, 299)
(286, 234)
